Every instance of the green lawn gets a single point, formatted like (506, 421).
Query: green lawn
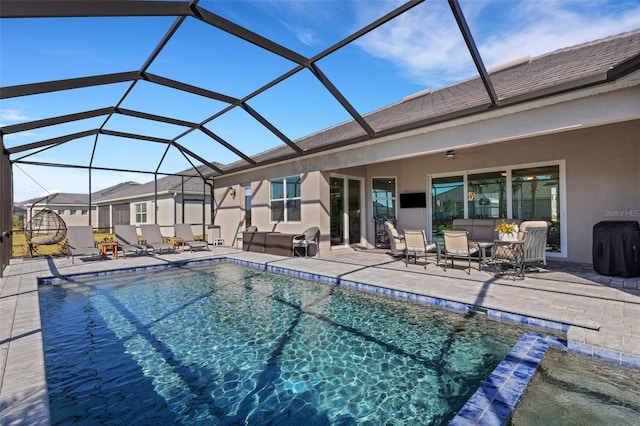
(20, 247)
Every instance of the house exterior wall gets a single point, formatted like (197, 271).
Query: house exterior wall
(72, 215)
(230, 211)
(190, 210)
(601, 178)
(76, 218)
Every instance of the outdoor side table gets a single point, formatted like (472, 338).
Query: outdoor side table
(109, 245)
(178, 243)
(508, 258)
(483, 251)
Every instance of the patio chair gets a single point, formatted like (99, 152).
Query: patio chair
(183, 230)
(398, 246)
(456, 244)
(153, 238)
(534, 234)
(416, 244)
(81, 242)
(127, 239)
(309, 238)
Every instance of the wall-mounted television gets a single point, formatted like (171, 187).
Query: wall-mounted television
(413, 200)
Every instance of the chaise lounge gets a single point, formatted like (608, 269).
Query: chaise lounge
(127, 239)
(81, 242)
(153, 239)
(183, 230)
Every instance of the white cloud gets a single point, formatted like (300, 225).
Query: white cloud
(8, 116)
(423, 42)
(426, 42)
(555, 26)
(306, 36)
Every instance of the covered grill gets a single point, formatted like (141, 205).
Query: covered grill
(616, 248)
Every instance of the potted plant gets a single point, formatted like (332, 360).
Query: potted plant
(507, 231)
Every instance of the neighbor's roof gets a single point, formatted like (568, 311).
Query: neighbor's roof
(59, 199)
(192, 185)
(166, 184)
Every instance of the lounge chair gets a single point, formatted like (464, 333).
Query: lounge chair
(183, 230)
(416, 244)
(398, 246)
(81, 242)
(127, 239)
(310, 237)
(153, 238)
(456, 244)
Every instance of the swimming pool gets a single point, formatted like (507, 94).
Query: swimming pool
(225, 344)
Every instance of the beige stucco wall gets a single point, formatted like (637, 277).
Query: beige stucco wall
(592, 133)
(229, 213)
(602, 178)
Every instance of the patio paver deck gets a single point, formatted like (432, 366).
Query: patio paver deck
(603, 312)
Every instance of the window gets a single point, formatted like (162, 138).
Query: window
(536, 196)
(141, 213)
(285, 199)
(383, 196)
(60, 212)
(524, 193)
(72, 212)
(487, 195)
(447, 201)
(83, 212)
(535, 193)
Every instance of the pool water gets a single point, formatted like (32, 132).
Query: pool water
(225, 344)
(573, 390)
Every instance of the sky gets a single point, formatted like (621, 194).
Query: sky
(420, 49)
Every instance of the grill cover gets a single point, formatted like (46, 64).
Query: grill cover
(616, 248)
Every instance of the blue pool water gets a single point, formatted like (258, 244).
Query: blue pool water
(225, 344)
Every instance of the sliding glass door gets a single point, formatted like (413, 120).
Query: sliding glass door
(447, 202)
(345, 195)
(524, 193)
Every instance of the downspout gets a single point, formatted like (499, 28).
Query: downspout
(182, 195)
(155, 198)
(175, 208)
(89, 207)
(204, 209)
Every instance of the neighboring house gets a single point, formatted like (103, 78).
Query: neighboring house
(72, 208)
(19, 213)
(170, 200)
(179, 200)
(562, 144)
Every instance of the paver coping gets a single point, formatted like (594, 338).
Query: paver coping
(600, 314)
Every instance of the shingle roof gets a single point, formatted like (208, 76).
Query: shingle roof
(556, 72)
(192, 185)
(59, 199)
(112, 191)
